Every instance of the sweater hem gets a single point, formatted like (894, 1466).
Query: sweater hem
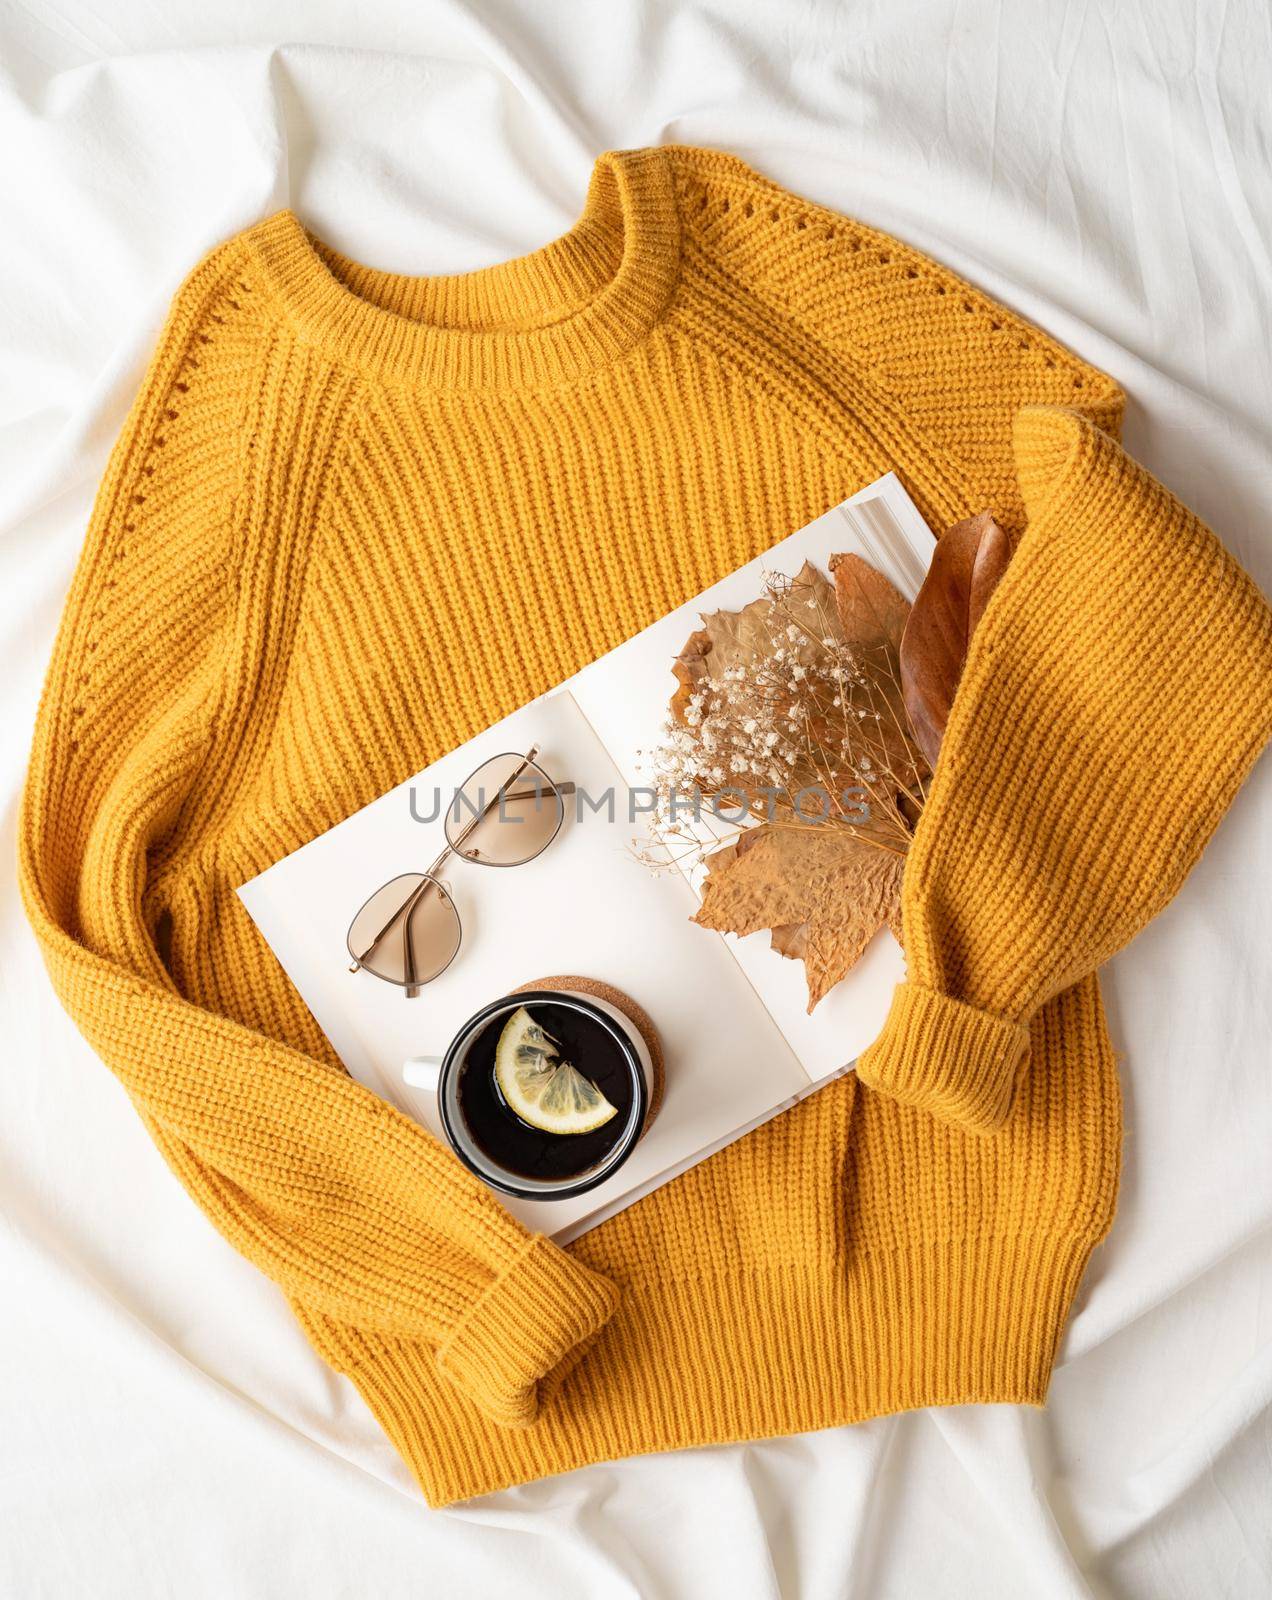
(780, 1349)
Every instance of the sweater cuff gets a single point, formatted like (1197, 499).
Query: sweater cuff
(950, 1058)
(530, 1323)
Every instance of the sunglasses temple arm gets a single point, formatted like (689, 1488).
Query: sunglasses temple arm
(404, 910)
(408, 950)
(501, 794)
(538, 792)
(501, 797)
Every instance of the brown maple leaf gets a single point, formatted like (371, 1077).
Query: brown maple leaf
(823, 891)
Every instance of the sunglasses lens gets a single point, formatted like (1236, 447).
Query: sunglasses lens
(505, 814)
(408, 931)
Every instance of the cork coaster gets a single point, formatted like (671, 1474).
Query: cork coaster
(629, 1008)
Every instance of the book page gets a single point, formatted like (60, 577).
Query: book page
(586, 906)
(625, 696)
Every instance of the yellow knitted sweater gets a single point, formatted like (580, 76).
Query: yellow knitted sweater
(317, 561)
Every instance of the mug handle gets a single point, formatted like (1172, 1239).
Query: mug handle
(422, 1072)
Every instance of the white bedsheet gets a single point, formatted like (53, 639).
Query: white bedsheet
(164, 1429)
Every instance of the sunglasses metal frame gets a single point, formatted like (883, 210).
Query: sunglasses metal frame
(411, 984)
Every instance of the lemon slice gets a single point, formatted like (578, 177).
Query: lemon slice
(543, 1090)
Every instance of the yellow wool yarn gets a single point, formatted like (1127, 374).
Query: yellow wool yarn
(319, 557)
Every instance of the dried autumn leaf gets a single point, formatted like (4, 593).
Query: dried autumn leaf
(969, 560)
(823, 891)
(691, 670)
(870, 609)
(790, 940)
(744, 638)
(873, 616)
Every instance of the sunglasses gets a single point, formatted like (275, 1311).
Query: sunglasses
(507, 813)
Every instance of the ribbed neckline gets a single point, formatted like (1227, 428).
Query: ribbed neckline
(574, 305)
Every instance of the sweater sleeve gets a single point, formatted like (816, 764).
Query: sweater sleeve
(352, 1208)
(1117, 692)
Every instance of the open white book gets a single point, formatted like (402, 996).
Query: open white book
(731, 1014)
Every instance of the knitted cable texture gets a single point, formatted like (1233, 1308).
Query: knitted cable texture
(342, 501)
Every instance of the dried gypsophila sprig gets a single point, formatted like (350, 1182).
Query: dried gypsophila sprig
(805, 710)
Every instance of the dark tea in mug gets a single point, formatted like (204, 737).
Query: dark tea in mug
(544, 1094)
(515, 1144)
